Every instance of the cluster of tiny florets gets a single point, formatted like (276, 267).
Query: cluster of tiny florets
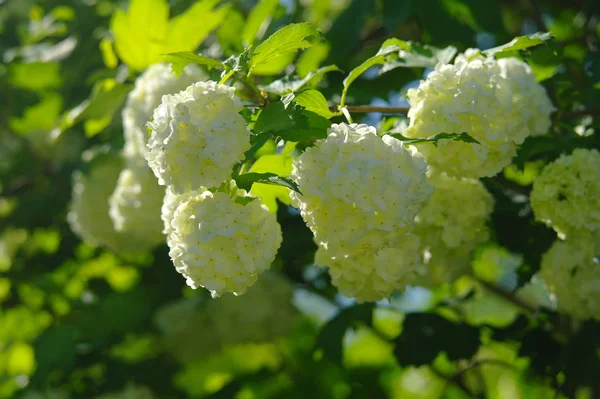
(135, 205)
(221, 244)
(157, 81)
(371, 274)
(88, 213)
(197, 137)
(359, 189)
(566, 195)
(476, 95)
(571, 271)
(360, 195)
(451, 225)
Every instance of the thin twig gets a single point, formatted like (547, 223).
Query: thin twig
(508, 296)
(365, 109)
(594, 111)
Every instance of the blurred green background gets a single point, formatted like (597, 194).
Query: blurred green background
(82, 322)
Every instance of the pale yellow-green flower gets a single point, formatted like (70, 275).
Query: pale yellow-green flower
(372, 274)
(571, 271)
(154, 83)
(197, 137)
(451, 225)
(496, 102)
(136, 203)
(566, 195)
(88, 212)
(222, 242)
(359, 190)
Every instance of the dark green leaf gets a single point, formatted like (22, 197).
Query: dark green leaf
(246, 180)
(314, 101)
(260, 15)
(331, 334)
(519, 43)
(181, 59)
(293, 123)
(389, 48)
(54, 351)
(464, 137)
(286, 85)
(285, 41)
(419, 56)
(425, 335)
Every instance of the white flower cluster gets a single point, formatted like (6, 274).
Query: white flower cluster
(571, 271)
(266, 313)
(566, 195)
(221, 244)
(135, 205)
(88, 214)
(372, 274)
(451, 225)
(360, 195)
(136, 202)
(498, 103)
(157, 81)
(197, 137)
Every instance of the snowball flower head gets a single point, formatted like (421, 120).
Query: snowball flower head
(265, 311)
(451, 224)
(88, 213)
(197, 137)
(135, 205)
(374, 274)
(476, 95)
(154, 83)
(531, 104)
(170, 203)
(572, 273)
(223, 243)
(566, 195)
(359, 189)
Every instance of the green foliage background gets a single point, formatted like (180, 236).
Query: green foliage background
(80, 321)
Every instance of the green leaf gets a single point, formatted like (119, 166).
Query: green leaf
(35, 76)
(425, 335)
(182, 59)
(314, 101)
(420, 56)
(54, 351)
(188, 30)
(389, 47)
(287, 85)
(286, 40)
(258, 21)
(280, 164)
(330, 338)
(519, 43)
(140, 33)
(293, 123)
(98, 110)
(41, 116)
(246, 180)
(464, 137)
(145, 32)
